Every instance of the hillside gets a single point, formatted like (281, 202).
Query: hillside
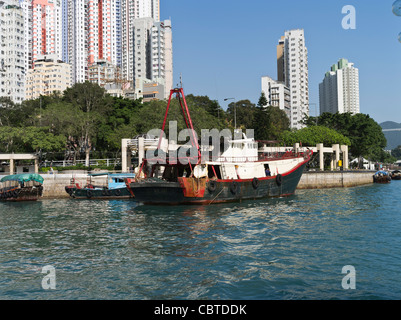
(393, 137)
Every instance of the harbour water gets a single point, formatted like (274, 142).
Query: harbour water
(273, 249)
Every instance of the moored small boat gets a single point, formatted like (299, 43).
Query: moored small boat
(114, 187)
(381, 177)
(21, 187)
(396, 175)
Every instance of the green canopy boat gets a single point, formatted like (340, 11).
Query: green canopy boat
(24, 177)
(21, 187)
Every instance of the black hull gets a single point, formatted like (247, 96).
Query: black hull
(96, 194)
(172, 193)
(21, 194)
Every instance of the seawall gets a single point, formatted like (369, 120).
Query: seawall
(335, 179)
(54, 184)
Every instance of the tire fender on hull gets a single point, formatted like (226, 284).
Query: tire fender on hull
(279, 179)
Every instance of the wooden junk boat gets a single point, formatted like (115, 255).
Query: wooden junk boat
(21, 187)
(114, 187)
(238, 173)
(381, 177)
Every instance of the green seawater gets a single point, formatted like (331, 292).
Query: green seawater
(278, 249)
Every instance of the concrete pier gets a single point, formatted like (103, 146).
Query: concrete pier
(335, 179)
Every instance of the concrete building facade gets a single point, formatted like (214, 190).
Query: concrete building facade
(12, 52)
(292, 70)
(277, 94)
(339, 90)
(48, 76)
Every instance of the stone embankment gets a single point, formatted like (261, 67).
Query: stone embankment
(335, 179)
(54, 184)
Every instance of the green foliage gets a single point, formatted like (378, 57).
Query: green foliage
(269, 123)
(151, 116)
(29, 139)
(396, 153)
(311, 136)
(243, 112)
(366, 135)
(262, 100)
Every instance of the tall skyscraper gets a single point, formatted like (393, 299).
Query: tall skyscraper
(46, 28)
(77, 35)
(26, 6)
(292, 70)
(12, 54)
(85, 32)
(152, 57)
(131, 10)
(339, 90)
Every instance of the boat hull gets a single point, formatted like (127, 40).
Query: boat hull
(385, 179)
(216, 191)
(94, 194)
(21, 194)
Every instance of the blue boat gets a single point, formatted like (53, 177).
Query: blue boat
(381, 177)
(113, 188)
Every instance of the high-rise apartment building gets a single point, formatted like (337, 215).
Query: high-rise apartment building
(12, 52)
(162, 55)
(26, 6)
(277, 94)
(127, 34)
(46, 28)
(131, 10)
(152, 59)
(339, 90)
(292, 70)
(77, 35)
(49, 75)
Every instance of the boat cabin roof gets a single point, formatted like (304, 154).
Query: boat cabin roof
(113, 175)
(23, 177)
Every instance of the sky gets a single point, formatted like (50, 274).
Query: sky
(222, 48)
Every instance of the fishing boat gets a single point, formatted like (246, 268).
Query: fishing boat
(112, 187)
(396, 175)
(238, 172)
(381, 177)
(21, 187)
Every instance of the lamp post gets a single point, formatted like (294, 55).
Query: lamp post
(235, 112)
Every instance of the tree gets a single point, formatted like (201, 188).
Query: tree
(204, 102)
(29, 139)
(311, 136)
(67, 119)
(242, 112)
(396, 152)
(262, 100)
(152, 113)
(95, 105)
(366, 135)
(118, 124)
(270, 122)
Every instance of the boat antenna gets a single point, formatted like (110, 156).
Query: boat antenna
(180, 84)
